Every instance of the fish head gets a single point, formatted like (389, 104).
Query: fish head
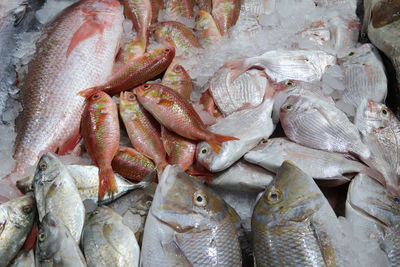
(371, 116)
(128, 103)
(98, 100)
(184, 204)
(202, 19)
(102, 214)
(19, 211)
(175, 73)
(290, 198)
(48, 168)
(165, 51)
(292, 107)
(269, 151)
(25, 185)
(49, 236)
(207, 157)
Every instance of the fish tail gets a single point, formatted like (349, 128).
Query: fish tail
(89, 92)
(107, 182)
(216, 141)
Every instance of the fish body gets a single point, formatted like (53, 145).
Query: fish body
(56, 246)
(205, 5)
(206, 28)
(140, 12)
(56, 192)
(24, 259)
(185, 221)
(225, 13)
(178, 79)
(180, 8)
(249, 125)
(142, 129)
(107, 241)
(176, 114)
(100, 131)
(156, 6)
(209, 104)
(293, 223)
(16, 221)
(78, 52)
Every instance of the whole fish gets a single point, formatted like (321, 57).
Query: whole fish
(78, 52)
(24, 259)
(364, 75)
(176, 34)
(55, 192)
(246, 91)
(243, 176)
(225, 13)
(180, 8)
(376, 214)
(107, 241)
(140, 12)
(56, 245)
(331, 167)
(186, 221)
(206, 28)
(249, 125)
(178, 79)
(100, 131)
(142, 129)
(280, 65)
(16, 221)
(131, 164)
(293, 223)
(176, 114)
(136, 71)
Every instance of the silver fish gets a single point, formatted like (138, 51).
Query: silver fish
(376, 215)
(16, 221)
(249, 125)
(56, 192)
(107, 241)
(24, 259)
(56, 246)
(293, 224)
(189, 225)
(322, 165)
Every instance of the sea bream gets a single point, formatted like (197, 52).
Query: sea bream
(78, 52)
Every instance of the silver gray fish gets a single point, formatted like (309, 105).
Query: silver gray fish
(189, 225)
(107, 241)
(376, 215)
(55, 192)
(293, 223)
(24, 259)
(56, 246)
(16, 221)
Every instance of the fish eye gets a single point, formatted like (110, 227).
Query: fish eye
(27, 209)
(384, 112)
(264, 141)
(351, 54)
(197, 17)
(42, 166)
(288, 107)
(166, 50)
(146, 86)
(132, 97)
(95, 212)
(178, 68)
(290, 83)
(200, 199)
(396, 199)
(41, 237)
(204, 150)
(274, 196)
(95, 96)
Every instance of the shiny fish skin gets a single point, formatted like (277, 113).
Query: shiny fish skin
(180, 8)
(186, 220)
(290, 223)
(319, 164)
(16, 221)
(178, 79)
(206, 29)
(246, 91)
(249, 125)
(24, 259)
(56, 246)
(140, 12)
(54, 79)
(107, 241)
(55, 192)
(225, 13)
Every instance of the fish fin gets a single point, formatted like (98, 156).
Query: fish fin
(393, 191)
(89, 92)
(107, 182)
(375, 174)
(31, 239)
(237, 67)
(70, 145)
(165, 102)
(216, 140)
(89, 28)
(174, 254)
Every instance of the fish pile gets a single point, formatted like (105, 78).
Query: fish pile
(200, 133)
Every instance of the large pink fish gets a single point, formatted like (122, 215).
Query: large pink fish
(77, 53)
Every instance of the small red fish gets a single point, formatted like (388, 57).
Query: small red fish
(178, 79)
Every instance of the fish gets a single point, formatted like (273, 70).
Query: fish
(249, 125)
(178, 79)
(225, 13)
(56, 245)
(142, 129)
(24, 259)
(186, 221)
(176, 114)
(246, 91)
(71, 49)
(364, 75)
(107, 241)
(156, 6)
(280, 65)
(176, 34)
(135, 72)
(243, 176)
(129, 52)
(179, 8)
(101, 134)
(206, 29)
(376, 214)
(205, 5)
(293, 223)
(131, 164)
(16, 221)
(56, 192)
(330, 167)
(140, 12)
(209, 104)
